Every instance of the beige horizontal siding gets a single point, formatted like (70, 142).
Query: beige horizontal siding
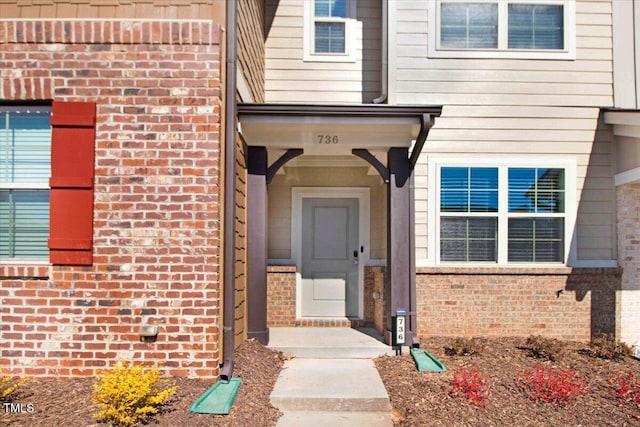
(585, 81)
(503, 131)
(291, 79)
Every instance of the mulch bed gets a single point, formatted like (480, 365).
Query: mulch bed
(423, 398)
(66, 402)
(418, 398)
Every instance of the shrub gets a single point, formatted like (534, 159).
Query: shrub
(543, 348)
(129, 394)
(471, 384)
(608, 347)
(627, 387)
(463, 347)
(9, 385)
(552, 385)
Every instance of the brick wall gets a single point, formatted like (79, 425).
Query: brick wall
(373, 297)
(281, 296)
(157, 203)
(628, 212)
(517, 302)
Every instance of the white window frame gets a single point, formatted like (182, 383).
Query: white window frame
(503, 164)
(503, 51)
(41, 185)
(309, 34)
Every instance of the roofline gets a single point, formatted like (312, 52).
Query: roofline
(328, 110)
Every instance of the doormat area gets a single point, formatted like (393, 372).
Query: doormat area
(218, 399)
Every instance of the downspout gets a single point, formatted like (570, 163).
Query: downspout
(384, 53)
(229, 194)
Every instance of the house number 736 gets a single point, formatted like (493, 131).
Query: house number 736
(328, 139)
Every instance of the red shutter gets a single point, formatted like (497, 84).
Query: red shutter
(72, 171)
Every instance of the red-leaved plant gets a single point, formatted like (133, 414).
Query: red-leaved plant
(552, 385)
(471, 384)
(627, 387)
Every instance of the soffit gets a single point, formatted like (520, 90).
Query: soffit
(330, 130)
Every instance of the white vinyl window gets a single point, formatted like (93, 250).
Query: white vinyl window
(502, 213)
(328, 30)
(532, 29)
(25, 168)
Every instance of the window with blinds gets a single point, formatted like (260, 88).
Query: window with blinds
(536, 210)
(517, 210)
(503, 27)
(25, 168)
(330, 23)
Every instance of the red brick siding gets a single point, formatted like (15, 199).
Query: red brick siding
(157, 203)
(281, 296)
(517, 302)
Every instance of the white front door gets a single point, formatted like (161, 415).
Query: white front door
(330, 256)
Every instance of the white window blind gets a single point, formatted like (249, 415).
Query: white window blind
(25, 168)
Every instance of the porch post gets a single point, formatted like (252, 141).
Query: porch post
(257, 245)
(400, 289)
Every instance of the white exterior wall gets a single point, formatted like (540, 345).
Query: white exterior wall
(289, 78)
(515, 108)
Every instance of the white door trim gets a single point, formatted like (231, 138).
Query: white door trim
(360, 193)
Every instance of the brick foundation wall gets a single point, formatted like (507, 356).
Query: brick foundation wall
(281, 300)
(373, 297)
(157, 203)
(281, 296)
(517, 302)
(628, 213)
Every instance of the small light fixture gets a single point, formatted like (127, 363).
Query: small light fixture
(148, 333)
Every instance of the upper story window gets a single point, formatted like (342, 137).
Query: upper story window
(25, 168)
(531, 29)
(328, 30)
(502, 213)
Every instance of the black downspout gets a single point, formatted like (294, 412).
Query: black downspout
(229, 194)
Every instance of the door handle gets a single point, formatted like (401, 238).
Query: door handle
(355, 253)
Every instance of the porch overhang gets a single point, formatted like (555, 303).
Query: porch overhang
(335, 130)
(626, 131)
(388, 138)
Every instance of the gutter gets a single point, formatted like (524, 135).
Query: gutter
(229, 194)
(384, 61)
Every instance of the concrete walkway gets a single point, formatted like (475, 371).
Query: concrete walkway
(331, 379)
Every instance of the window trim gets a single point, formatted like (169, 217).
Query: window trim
(503, 52)
(40, 185)
(309, 34)
(503, 164)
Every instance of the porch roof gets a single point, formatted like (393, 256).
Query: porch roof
(334, 130)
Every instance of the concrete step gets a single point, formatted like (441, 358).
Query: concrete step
(332, 343)
(335, 419)
(334, 385)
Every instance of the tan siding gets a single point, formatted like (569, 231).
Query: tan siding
(586, 81)
(251, 46)
(290, 79)
(517, 131)
(139, 9)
